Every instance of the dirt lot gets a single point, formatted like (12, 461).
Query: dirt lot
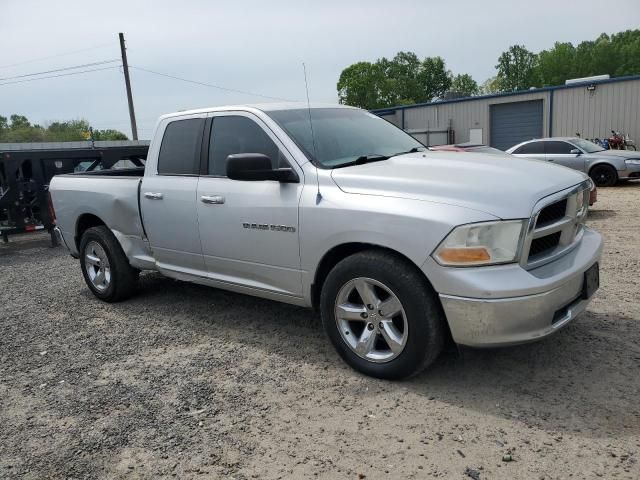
(189, 382)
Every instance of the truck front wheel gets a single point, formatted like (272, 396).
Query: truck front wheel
(381, 315)
(105, 267)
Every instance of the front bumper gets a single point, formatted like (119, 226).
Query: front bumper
(632, 171)
(536, 303)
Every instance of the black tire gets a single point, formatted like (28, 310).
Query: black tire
(123, 277)
(424, 316)
(604, 175)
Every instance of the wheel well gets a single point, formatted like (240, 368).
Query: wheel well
(339, 253)
(602, 164)
(85, 222)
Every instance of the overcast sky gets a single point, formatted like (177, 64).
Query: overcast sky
(258, 46)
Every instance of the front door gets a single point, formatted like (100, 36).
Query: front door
(249, 230)
(168, 199)
(560, 152)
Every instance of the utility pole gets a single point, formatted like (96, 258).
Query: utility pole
(125, 66)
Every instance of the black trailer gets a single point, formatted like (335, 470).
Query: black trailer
(27, 168)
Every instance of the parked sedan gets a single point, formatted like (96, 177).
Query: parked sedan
(605, 167)
(467, 147)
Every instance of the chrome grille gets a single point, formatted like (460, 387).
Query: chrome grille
(552, 213)
(542, 245)
(556, 226)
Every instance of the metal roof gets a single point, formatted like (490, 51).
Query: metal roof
(391, 110)
(12, 147)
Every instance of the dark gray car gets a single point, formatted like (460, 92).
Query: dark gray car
(605, 167)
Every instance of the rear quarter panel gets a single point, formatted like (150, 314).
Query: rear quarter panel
(114, 200)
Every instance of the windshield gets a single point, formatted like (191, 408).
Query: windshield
(586, 145)
(343, 135)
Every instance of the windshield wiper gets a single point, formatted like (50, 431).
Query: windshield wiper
(413, 150)
(362, 159)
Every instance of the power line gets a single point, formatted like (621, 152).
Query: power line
(56, 56)
(93, 64)
(209, 84)
(61, 75)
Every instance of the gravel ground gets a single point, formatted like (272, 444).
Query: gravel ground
(190, 382)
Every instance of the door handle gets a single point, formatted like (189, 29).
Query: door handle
(212, 199)
(153, 196)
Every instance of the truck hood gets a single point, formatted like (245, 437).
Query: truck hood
(501, 186)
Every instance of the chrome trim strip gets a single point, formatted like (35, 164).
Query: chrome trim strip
(552, 228)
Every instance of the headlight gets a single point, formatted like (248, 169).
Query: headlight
(633, 161)
(476, 244)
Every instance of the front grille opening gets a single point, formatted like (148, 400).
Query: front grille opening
(544, 244)
(552, 213)
(562, 312)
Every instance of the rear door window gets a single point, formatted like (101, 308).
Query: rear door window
(180, 149)
(558, 148)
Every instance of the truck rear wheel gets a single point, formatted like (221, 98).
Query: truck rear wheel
(105, 267)
(381, 315)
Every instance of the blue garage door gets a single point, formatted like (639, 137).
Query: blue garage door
(512, 123)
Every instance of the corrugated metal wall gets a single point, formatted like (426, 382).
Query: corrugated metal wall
(614, 105)
(464, 115)
(594, 113)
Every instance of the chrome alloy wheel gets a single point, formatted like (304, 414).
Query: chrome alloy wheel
(371, 320)
(96, 263)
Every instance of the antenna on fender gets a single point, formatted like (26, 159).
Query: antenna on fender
(313, 138)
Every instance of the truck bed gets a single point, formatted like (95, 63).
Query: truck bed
(119, 172)
(109, 195)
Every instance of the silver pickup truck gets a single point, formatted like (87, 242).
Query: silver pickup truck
(331, 207)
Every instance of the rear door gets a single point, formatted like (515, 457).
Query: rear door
(249, 229)
(559, 151)
(168, 198)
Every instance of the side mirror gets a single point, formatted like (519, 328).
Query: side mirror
(575, 151)
(255, 167)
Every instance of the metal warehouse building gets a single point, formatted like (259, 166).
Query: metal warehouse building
(591, 108)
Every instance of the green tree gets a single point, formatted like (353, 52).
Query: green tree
(109, 134)
(71, 131)
(436, 79)
(402, 80)
(616, 55)
(465, 85)
(557, 64)
(516, 69)
(19, 121)
(361, 85)
(21, 130)
(489, 86)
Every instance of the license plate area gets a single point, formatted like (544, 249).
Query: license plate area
(591, 281)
